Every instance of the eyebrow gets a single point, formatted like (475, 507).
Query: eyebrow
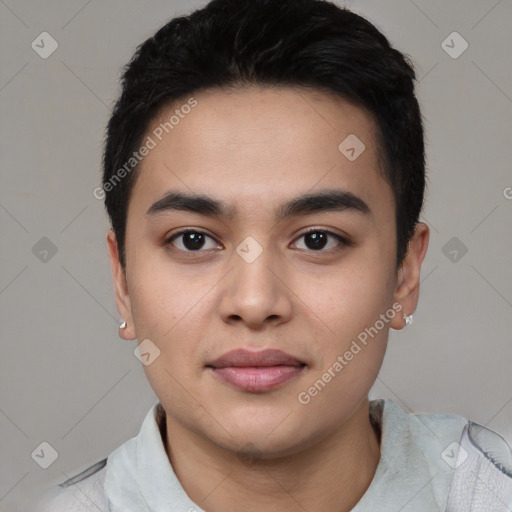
(330, 200)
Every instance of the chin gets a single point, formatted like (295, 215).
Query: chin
(265, 436)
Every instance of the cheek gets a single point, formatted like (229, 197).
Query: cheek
(353, 338)
(161, 296)
(352, 352)
(349, 299)
(169, 307)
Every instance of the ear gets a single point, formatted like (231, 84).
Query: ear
(408, 284)
(121, 289)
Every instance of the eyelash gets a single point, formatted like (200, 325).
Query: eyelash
(343, 241)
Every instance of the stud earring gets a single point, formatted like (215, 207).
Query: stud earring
(407, 319)
(122, 325)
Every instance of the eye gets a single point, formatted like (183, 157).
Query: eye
(316, 239)
(192, 240)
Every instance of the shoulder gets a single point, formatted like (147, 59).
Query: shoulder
(483, 471)
(82, 493)
(469, 463)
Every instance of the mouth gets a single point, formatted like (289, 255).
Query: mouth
(256, 371)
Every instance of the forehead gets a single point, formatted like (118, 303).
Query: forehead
(260, 146)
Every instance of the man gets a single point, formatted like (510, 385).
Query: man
(264, 175)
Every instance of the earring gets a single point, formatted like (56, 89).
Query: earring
(122, 325)
(407, 319)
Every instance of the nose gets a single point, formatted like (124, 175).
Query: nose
(256, 293)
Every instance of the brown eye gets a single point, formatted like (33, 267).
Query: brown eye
(192, 240)
(317, 239)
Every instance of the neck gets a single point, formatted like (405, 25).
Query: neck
(332, 474)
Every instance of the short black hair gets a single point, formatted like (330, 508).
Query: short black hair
(302, 43)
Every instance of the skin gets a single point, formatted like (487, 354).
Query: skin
(255, 149)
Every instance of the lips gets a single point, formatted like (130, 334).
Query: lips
(245, 358)
(256, 371)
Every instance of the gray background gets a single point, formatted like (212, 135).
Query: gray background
(66, 377)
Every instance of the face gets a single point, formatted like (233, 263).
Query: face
(247, 273)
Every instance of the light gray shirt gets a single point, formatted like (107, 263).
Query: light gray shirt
(429, 463)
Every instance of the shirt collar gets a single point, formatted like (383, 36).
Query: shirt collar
(140, 476)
